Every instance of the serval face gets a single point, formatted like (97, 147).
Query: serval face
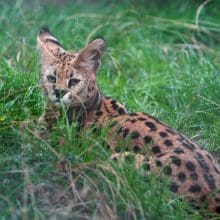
(68, 78)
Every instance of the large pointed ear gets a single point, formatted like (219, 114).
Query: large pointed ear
(90, 57)
(49, 47)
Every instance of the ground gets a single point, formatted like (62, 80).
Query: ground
(161, 58)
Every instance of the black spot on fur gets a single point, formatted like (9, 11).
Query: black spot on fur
(178, 151)
(114, 104)
(158, 163)
(125, 132)
(142, 119)
(135, 135)
(185, 144)
(189, 146)
(115, 107)
(176, 161)
(133, 121)
(190, 166)
(99, 113)
(181, 176)
(200, 155)
(194, 176)
(195, 188)
(170, 131)
(147, 139)
(151, 126)
(121, 111)
(168, 143)
(133, 114)
(167, 170)
(203, 164)
(161, 155)
(210, 180)
(156, 149)
(136, 148)
(174, 187)
(163, 134)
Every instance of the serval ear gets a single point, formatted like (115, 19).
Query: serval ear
(90, 57)
(48, 45)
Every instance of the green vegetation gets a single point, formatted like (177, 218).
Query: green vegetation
(162, 58)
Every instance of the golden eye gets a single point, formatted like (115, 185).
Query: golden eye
(51, 79)
(73, 82)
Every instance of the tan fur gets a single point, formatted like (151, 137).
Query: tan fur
(156, 147)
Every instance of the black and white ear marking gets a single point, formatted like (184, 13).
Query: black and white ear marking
(90, 57)
(44, 29)
(48, 44)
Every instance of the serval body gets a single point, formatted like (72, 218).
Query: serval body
(69, 79)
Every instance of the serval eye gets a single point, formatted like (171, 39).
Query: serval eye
(73, 82)
(51, 79)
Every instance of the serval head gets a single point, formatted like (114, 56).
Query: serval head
(69, 78)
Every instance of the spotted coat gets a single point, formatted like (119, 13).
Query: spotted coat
(69, 79)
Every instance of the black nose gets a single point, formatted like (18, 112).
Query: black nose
(59, 93)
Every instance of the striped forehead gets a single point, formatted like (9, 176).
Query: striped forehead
(65, 57)
(64, 68)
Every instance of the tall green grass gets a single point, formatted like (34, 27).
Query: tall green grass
(162, 59)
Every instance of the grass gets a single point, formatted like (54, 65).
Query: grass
(162, 59)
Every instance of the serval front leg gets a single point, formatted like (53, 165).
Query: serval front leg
(47, 121)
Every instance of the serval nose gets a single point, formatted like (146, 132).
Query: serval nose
(60, 93)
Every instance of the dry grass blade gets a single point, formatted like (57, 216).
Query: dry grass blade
(198, 11)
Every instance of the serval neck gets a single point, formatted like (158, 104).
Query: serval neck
(81, 114)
